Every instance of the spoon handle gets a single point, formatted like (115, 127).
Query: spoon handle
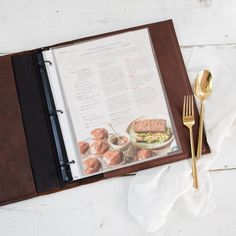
(200, 131)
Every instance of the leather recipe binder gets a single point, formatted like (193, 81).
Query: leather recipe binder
(36, 132)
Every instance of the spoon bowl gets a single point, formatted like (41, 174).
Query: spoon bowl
(203, 85)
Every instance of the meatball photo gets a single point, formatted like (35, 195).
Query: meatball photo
(99, 134)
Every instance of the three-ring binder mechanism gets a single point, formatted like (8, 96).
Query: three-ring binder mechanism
(67, 153)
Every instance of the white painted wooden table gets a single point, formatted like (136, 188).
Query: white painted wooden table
(101, 208)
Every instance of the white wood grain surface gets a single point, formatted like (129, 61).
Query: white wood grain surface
(28, 24)
(101, 208)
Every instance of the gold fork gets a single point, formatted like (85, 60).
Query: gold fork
(188, 121)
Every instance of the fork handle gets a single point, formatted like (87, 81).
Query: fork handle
(194, 166)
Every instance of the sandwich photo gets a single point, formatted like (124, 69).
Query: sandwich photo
(150, 133)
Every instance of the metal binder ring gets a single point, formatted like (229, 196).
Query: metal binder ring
(60, 111)
(71, 162)
(43, 62)
(68, 163)
(54, 113)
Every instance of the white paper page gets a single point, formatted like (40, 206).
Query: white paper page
(114, 80)
(65, 123)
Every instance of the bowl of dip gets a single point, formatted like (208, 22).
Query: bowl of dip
(119, 142)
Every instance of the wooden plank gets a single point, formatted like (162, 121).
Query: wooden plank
(30, 24)
(106, 214)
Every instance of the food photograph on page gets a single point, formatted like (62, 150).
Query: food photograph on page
(116, 101)
(144, 139)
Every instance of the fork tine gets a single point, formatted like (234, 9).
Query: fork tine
(184, 106)
(187, 106)
(192, 107)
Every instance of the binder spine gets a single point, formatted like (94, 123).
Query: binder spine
(63, 162)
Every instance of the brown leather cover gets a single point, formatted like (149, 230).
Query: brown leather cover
(16, 179)
(175, 81)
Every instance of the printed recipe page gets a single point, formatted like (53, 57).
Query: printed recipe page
(115, 99)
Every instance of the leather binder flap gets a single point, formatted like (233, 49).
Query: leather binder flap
(40, 141)
(16, 179)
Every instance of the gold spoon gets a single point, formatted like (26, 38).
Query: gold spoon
(202, 89)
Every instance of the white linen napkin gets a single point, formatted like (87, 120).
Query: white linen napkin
(153, 193)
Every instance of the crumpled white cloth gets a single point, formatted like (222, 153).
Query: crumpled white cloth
(153, 193)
